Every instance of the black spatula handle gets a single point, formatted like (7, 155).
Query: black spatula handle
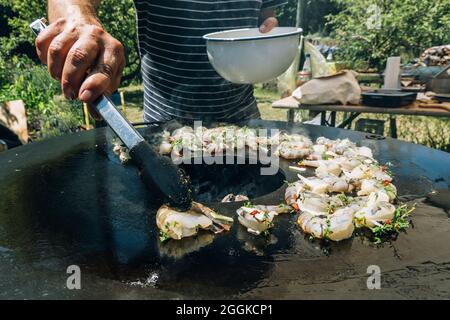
(159, 173)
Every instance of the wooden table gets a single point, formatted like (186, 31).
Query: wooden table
(291, 104)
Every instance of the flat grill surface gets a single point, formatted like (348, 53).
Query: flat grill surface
(67, 201)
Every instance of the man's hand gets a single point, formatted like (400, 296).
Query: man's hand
(81, 54)
(268, 19)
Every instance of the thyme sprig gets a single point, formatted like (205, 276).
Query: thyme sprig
(391, 229)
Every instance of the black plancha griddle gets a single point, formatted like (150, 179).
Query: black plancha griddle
(68, 201)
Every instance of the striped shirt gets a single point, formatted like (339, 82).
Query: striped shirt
(179, 81)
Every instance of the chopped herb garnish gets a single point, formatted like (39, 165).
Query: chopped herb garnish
(327, 230)
(177, 143)
(390, 190)
(345, 200)
(390, 229)
(163, 236)
(331, 208)
(248, 204)
(290, 184)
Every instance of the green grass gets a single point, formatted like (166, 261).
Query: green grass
(429, 131)
(134, 102)
(265, 99)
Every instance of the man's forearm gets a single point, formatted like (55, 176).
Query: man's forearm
(81, 10)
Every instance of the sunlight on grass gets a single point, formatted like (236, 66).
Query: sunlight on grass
(429, 131)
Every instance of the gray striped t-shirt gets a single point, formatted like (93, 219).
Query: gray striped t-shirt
(179, 81)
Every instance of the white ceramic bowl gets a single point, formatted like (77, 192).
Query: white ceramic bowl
(249, 56)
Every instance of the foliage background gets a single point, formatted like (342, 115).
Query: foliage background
(408, 27)
(314, 18)
(22, 76)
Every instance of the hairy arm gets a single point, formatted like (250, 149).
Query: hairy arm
(73, 9)
(79, 52)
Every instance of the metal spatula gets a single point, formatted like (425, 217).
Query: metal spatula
(157, 172)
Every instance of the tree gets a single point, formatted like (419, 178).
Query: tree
(23, 77)
(370, 31)
(314, 15)
(119, 19)
(117, 16)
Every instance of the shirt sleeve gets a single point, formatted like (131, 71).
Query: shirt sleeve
(272, 3)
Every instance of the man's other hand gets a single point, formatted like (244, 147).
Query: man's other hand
(268, 24)
(268, 20)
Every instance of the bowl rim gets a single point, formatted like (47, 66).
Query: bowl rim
(207, 37)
